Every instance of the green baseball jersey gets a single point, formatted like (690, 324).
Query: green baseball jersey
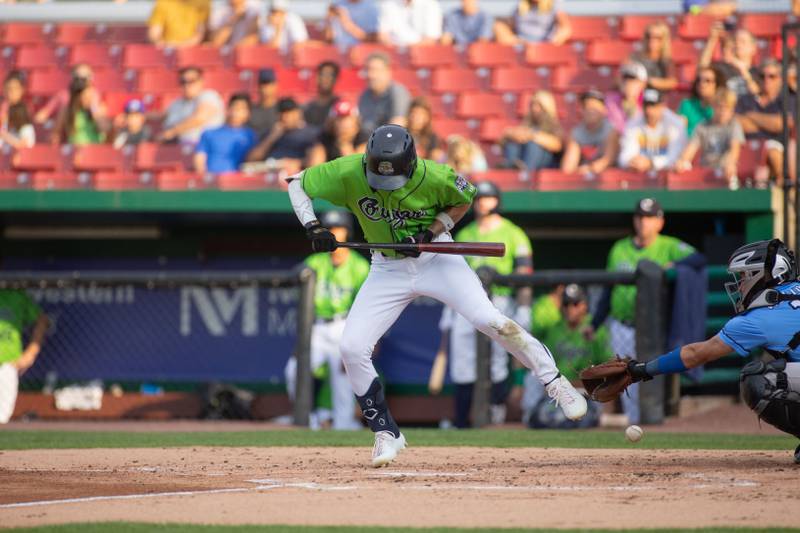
(544, 315)
(572, 351)
(518, 246)
(389, 216)
(337, 285)
(17, 312)
(625, 255)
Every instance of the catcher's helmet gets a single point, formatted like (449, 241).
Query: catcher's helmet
(391, 157)
(756, 267)
(337, 219)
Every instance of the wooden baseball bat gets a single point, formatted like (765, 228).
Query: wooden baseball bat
(488, 249)
(436, 379)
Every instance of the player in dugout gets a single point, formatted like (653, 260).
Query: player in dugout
(398, 197)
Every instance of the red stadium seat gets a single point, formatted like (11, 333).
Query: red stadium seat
(47, 82)
(257, 57)
(45, 181)
(633, 26)
(516, 79)
(695, 27)
(226, 81)
(487, 54)
(158, 81)
(141, 56)
(577, 79)
(97, 157)
(32, 57)
(614, 179)
(492, 129)
(696, 179)
(95, 55)
(292, 82)
(17, 34)
(119, 181)
(311, 55)
(124, 34)
(14, 180)
(554, 180)
(106, 80)
(479, 105)
(454, 80)
(39, 157)
(116, 101)
(549, 55)
(349, 81)
(684, 52)
(152, 157)
(751, 157)
(445, 127)
(180, 181)
(70, 33)
(409, 79)
(199, 56)
(763, 25)
(433, 55)
(506, 180)
(237, 181)
(360, 52)
(608, 52)
(590, 28)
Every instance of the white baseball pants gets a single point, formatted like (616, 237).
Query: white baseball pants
(392, 284)
(9, 383)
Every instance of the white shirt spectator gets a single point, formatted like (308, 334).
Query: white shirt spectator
(662, 144)
(183, 108)
(222, 13)
(363, 13)
(294, 31)
(409, 22)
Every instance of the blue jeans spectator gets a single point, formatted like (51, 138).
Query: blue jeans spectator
(532, 155)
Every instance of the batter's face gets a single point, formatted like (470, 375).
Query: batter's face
(485, 205)
(647, 227)
(340, 233)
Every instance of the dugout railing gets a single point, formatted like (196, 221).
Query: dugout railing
(650, 323)
(75, 291)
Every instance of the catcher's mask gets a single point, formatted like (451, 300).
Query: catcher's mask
(756, 267)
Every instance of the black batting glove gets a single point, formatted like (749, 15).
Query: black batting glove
(422, 236)
(322, 240)
(638, 371)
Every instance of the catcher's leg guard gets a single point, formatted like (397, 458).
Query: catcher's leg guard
(376, 411)
(766, 391)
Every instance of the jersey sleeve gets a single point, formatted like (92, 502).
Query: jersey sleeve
(522, 244)
(743, 333)
(457, 189)
(323, 181)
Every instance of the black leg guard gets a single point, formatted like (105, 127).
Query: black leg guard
(375, 411)
(765, 389)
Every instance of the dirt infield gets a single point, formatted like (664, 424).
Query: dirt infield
(522, 487)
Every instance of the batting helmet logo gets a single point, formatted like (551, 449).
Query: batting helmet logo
(386, 168)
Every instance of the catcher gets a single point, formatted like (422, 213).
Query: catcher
(766, 296)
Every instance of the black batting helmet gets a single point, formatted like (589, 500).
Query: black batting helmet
(391, 157)
(337, 219)
(487, 189)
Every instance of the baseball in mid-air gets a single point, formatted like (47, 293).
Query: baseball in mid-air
(634, 433)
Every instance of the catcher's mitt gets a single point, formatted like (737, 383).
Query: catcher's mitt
(606, 381)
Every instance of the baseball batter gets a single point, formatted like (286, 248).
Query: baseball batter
(339, 276)
(397, 197)
(17, 313)
(458, 335)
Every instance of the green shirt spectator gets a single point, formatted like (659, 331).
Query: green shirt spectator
(695, 112)
(545, 313)
(571, 348)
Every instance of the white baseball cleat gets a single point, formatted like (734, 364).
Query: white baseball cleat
(572, 402)
(386, 448)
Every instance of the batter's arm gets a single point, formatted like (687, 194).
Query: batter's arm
(448, 217)
(301, 202)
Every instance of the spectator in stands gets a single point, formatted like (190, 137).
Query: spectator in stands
(535, 21)
(235, 23)
(290, 141)
(738, 57)
(654, 140)
(281, 28)
(719, 140)
(420, 126)
(699, 107)
(593, 144)
(178, 23)
(713, 8)
(465, 156)
(350, 22)
(761, 115)
(224, 149)
(656, 56)
(133, 129)
(536, 142)
(264, 114)
(342, 135)
(61, 98)
(16, 127)
(83, 120)
(198, 109)
(319, 108)
(467, 24)
(384, 101)
(626, 103)
(410, 22)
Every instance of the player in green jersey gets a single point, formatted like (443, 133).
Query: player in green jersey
(619, 303)
(397, 197)
(458, 335)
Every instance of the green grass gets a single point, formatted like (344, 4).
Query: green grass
(128, 527)
(28, 440)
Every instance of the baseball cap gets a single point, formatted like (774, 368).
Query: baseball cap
(287, 104)
(266, 75)
(573, 293)
(648, 207)
(652, 96)
(280, 5)
(343, 109)
(634, 70)
(593, 94)
(134, 106)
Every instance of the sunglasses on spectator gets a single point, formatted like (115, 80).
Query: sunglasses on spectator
(188, 81)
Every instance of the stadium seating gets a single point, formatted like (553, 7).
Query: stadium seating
(695, 27)
(516, 79)
(632, 27)
(697, 178)
(549, 55)
(142, 56)
(199, 56)
(37, 56)
(763, 25)
(486, 54)
(445, 127)
(454, 80)
(42, 157)
(492, 129)
(238, 181)
(621, 179)
(180, 181)
(16, 34)
(69, 33)
(153, 157)
(95, 55)
(257, 57)
(157, 81)
(480, 105)
(608, 52)
(433, 55)
(47, 82)
(109, 80)
(97, 157)
(590, 28)
(555, 180)
(311, 55)
(359, 53)
(507, 180)
(119, 181)
(46, 181)
(228, 81)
